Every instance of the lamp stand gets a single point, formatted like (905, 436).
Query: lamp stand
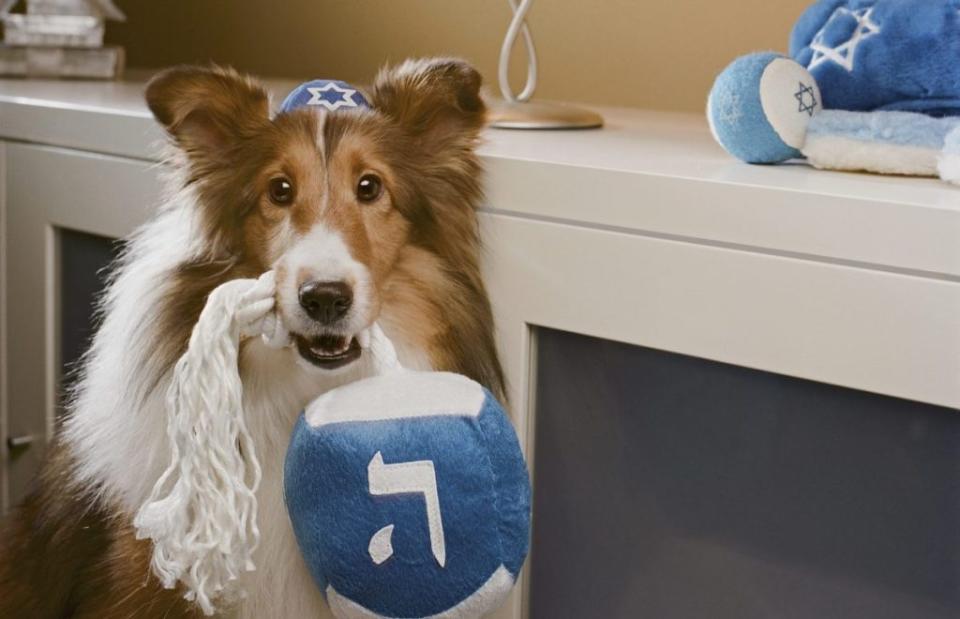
(541, 115)
(516, 111)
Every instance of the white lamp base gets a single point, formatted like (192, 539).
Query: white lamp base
(540, 115)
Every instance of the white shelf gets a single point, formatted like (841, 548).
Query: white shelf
(652, 173)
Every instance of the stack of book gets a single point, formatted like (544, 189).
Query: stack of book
(59, 38)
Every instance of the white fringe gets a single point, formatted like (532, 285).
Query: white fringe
(202, 512)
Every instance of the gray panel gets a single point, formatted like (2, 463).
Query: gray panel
(90, 193)
(84, 259)
(668, 486)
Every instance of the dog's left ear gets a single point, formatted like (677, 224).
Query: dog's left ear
(436, 99)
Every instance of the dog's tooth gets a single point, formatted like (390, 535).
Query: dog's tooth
(331, 346)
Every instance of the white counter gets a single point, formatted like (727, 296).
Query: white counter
(651, 173)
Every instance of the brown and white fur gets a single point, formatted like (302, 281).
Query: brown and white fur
(408, 256)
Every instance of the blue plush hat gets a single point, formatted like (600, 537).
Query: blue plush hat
(883, 54)
(330, 95)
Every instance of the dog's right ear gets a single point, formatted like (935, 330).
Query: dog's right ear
(206, 110)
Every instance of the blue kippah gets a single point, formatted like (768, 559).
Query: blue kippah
(883, 54)
(329, 95)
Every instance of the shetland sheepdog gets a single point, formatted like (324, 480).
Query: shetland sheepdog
(366, 215)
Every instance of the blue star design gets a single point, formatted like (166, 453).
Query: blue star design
(807, 99)
(332, 96)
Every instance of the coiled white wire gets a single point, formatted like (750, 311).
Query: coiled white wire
(517, 26)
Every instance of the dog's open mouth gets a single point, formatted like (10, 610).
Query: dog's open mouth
(328, 351)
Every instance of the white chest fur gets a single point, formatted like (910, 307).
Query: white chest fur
(276, 388)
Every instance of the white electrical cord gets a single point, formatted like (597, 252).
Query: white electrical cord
(516, 26)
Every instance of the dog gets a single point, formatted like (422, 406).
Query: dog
(365, 215)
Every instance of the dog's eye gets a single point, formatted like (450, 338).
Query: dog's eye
(281, 191)
(369, 188)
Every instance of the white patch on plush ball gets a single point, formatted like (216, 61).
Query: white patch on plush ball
(789, 96)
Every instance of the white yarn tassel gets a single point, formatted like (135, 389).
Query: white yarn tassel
(202, 512)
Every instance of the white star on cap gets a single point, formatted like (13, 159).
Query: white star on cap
(345, 100)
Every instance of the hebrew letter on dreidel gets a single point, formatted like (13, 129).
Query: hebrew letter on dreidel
(417, 477)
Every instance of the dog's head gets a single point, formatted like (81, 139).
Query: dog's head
(332, 200)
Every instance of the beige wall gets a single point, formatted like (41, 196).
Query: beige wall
(644, 53)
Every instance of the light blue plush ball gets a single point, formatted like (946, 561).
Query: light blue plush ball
(760, 106)
(409, 497)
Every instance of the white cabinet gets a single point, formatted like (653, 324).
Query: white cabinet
(869, 330)
(643, 234)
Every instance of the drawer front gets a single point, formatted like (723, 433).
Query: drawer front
(871, 330)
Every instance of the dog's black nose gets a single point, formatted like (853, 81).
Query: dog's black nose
(326, 302)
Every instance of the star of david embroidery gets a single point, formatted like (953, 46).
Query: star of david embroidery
(332, 96)
(807, 99)
(843, 54)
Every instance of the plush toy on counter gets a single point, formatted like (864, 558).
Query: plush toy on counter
(871, 86)
(407, 491)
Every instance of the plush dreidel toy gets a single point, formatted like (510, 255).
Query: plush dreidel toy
(407, 491)
(872, 86)
(408, 494)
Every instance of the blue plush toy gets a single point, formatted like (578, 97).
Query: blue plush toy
(873, 85)
(760, 107)
(901, 55)
(409, 495)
